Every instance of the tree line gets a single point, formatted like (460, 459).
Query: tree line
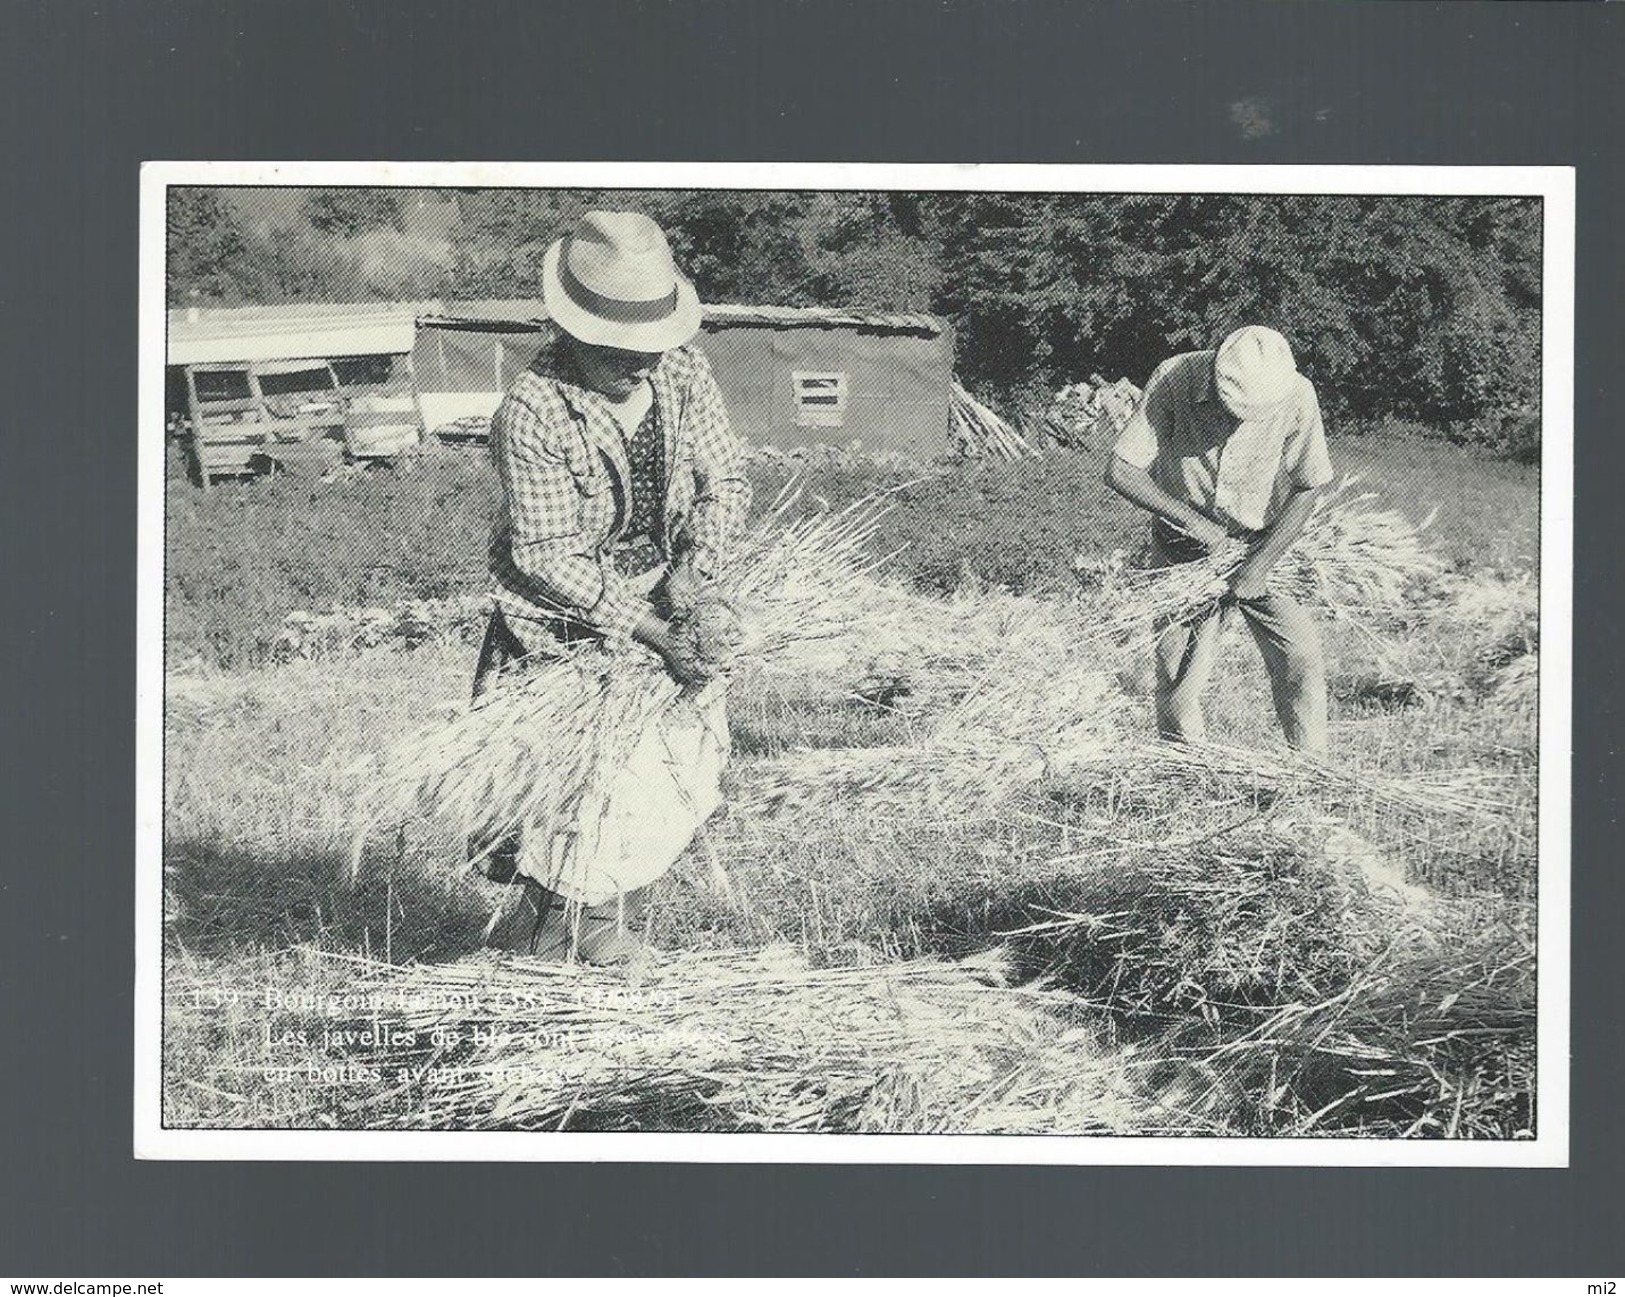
(1412, 307)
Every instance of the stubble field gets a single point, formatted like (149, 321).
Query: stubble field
(1220, 955)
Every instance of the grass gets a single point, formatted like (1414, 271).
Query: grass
(1489, 507)
(1187, 919)
(242, 557)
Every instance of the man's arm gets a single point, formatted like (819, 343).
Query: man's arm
(1251, 579)
(1136, 484)
(1310, 472)
(1128, 471)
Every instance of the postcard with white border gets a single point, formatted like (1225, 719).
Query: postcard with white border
(854, 663)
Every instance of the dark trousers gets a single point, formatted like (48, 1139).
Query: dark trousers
(1287, 640)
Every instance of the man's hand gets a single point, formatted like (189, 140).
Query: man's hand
(1250, 580)
(1206, 533)
(1135, 484)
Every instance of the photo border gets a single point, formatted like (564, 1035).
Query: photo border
(1554, 185)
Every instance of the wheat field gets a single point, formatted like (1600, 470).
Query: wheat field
(1077, 941)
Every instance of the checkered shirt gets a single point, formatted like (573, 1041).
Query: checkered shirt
(566, 487)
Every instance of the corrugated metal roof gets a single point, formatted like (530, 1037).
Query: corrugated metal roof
(821, 317)
(312, 330)
(294, 332)
(499, 314)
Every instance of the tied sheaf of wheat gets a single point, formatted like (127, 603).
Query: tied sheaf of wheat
(1354, 561)
(550, 737)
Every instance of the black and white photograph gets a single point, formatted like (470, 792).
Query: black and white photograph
(844, 663)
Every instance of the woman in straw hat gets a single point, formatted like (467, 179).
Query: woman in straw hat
(622, 484)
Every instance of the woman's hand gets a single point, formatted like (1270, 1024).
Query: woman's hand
(686, 664)
(679, 653)
(682, 589)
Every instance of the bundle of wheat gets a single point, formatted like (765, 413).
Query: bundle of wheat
(736, 1041)
(926, 654)
(803, 584)
(548, 740)
(1354, 561)
(1251, 913)
(1503, 614)
(1516, 686)
(1436, 1043)
(539, 747)
(1027, 730)
(1338, 1006)
(977, 430)
(1496, 604)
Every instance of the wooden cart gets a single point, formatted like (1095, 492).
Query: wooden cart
(293, 416)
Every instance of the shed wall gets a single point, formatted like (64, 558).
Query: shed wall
(897, 385)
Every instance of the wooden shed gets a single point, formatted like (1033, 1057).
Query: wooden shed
(791, 376)
(256, 388)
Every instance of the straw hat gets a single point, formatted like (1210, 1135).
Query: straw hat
(1254, 371)
(612, 283)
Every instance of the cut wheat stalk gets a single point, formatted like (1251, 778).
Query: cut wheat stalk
(1003, 736)
(1516, 686)
(1354, 561)
(1045, 720)
(1415, 1033)
(1468, 793)
(1285, 972)
(548, 739)
(733, 1041)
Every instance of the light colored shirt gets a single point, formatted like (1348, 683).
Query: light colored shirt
(1234, 472)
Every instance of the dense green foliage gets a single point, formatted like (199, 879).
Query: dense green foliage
(352, 211)
(1425, 308)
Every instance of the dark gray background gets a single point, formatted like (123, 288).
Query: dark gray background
(87, 95)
